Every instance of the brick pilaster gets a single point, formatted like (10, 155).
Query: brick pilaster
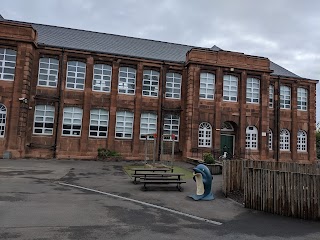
(312, 122)
(218, 99)
(264, 116)
(294, 122)
(243, 121)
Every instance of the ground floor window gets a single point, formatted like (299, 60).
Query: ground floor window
(251, 137)
(284, 140)
(270, 137)
(3, 115)
(99, 119)
(72, 121)
(302, 141)
(171, 126)
(205, 132)
(43, 120)
(124, 125)
(148, 125)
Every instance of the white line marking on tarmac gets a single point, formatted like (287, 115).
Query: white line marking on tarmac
(144, 203)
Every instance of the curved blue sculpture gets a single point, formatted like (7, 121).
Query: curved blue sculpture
(203, 179)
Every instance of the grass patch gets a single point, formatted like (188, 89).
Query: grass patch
(187, 173)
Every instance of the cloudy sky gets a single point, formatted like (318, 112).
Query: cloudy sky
(286, 31)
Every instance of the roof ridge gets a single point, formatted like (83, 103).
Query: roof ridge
(104, 33)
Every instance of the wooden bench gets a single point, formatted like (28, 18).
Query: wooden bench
(138, 172)
(145, 175)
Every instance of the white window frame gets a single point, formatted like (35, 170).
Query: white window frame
(285, 97)
(284, 140)
(148, 125)
(271, 96)
(173, 85)
(302, 99)
(102, 75)
(48, 72)
(8, 58)
(44, 116)
(251, 138)
(124, 125)
(127, 81)
(207, 81)
(76, 71)
(3, 119)
(171, 126)
(253, 90)
(302, 139)
(230, 88)
(204, 135)
(72, 116)
(150, 83)
(99, 120)
(270, 139)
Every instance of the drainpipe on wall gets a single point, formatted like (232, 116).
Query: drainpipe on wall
(58, 113)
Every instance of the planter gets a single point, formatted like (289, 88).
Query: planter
(215, 169)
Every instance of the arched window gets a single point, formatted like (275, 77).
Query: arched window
(251, 137)
(205, 132)
(3, 114)
(227, 127)
(270, 137)
(284, 140)
(302, 141)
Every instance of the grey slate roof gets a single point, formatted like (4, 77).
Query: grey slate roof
(1, 18)
(121, 45)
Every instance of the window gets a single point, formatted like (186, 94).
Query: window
(285, 97)
(99, 119)
(148, 125)
(7, 63)
(173, 85)
(171, 126)
(271, 96)
(302, 141)
(226, 127)
(48, 72)
(205, 131)
(150, 83)
(127, 80)
(207, 85)
(284, 140)
(72, 121)
(3, 114)
(302, 99)
(124, 125)
(270, 137)
(253, 90)
(101, 78)
(230, 88)
(251, 137)
(43, 120)
(76, 73)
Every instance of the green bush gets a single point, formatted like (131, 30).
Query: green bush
(104, 153)
(208, 158)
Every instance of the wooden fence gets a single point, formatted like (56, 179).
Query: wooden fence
(288, 189)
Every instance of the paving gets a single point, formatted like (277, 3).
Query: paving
(34, 205)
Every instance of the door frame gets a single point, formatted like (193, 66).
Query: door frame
(233, 140)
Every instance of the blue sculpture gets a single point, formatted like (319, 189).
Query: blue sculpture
(203, 179)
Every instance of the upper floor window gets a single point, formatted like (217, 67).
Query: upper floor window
(251, 137)
(253, 90)
(271, 96)
(205, 132)
(171, 126)
(76, 74)
(124, 125)
(150, 83)
(72, 121)
(302, 99)
(207, 85)
(230, 88)
(99, 119)
(127, 80)
(3, 115)
(173, 85)
(43, 120)
(148, 125)
(284, 140)
(302, 141)
(48, 72)
(7, 63)
(101, 78)
(270, 137)
(285, 97)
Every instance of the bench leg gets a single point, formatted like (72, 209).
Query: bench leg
(179, 187)
(144, 187)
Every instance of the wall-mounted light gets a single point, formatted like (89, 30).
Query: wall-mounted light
(24, 100)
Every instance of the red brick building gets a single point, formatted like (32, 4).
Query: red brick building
(65, 92)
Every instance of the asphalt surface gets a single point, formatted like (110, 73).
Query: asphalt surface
(33, 205)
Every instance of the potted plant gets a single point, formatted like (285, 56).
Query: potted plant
(209, 161)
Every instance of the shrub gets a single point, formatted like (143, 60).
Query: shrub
(208, 158)
(104, 153)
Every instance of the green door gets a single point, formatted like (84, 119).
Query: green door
(226, 144)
